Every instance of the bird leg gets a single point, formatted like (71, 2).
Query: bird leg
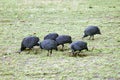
(62, 46)
(50, 52)
(78, 53)
(92, 37)
(73, 53)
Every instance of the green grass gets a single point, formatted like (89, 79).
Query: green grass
(20, 18)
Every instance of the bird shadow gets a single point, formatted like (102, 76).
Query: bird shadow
(78, 55)
(82, 54)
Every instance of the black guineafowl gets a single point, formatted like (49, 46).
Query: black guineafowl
(49, 45)
(52, 36)
(91, 31)
(29, 42)
(63, 39)
(78, 46)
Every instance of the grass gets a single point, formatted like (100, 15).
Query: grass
(20, 18)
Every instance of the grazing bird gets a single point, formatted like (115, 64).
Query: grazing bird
(49, 45)
(52, 36)
(29, 42)
(91, 31)
(63, 39)
(78, 46)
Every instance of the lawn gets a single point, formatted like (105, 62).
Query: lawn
(21, 18)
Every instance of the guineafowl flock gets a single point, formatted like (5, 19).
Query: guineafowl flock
(53, 40)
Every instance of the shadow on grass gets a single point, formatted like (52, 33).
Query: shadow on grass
(30, 51)
(62, 50)
(82, 54)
